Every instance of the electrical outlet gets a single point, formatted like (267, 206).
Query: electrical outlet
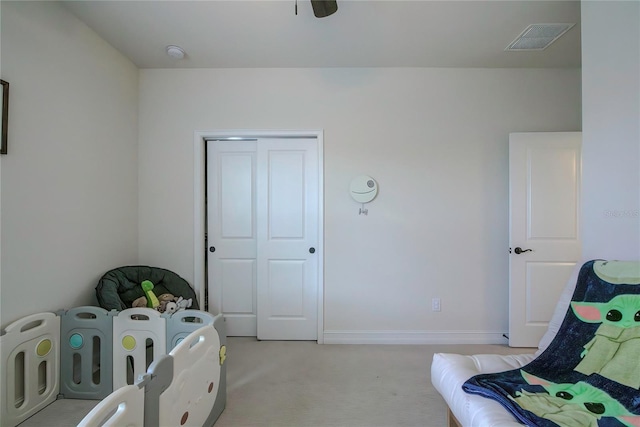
(435, 304)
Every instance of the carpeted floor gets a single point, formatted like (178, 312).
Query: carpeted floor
(303, 384)
(61, 413)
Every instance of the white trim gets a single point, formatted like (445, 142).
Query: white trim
(199, 228)
(320, 137)
(413, 337)
(198, 214)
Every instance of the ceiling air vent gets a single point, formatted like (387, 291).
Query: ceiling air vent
(538, 36)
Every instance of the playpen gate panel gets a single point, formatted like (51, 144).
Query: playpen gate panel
(183, 322)
(86, 335)
(133, 330)
(123, 407)
(190, 398)
(32, 346)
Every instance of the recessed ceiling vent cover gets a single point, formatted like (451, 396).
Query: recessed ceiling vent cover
(538, 36)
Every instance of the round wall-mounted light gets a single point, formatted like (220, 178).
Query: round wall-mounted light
(175, 52)
(363, 189)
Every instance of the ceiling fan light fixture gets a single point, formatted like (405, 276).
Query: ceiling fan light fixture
(175, 52)
(324, 8)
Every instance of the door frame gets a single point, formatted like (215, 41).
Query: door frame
(200, 212)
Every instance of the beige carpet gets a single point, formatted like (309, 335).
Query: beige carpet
(298, 384)
(61, 413)
(303, 384)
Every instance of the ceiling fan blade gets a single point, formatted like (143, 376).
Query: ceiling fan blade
(323, 8)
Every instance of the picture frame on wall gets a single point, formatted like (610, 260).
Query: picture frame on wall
(5, 115)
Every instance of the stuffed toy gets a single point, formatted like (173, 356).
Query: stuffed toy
(167, 303)
(170, 307)
(152, 300)
(183, 303)
(139, 302)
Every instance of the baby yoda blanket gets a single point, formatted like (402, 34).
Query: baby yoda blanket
(590, 373)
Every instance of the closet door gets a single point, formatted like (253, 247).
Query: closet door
(263, 232)
(231, 235)
(287, 206)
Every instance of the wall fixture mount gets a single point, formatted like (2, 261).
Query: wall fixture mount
(175, 52)
(363, 189)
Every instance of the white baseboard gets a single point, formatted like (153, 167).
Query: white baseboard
(413, 337)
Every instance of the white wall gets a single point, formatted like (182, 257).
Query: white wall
(436, 140)
(69, 182)
(611, 129)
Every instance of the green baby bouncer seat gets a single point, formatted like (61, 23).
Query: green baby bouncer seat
(117, 289)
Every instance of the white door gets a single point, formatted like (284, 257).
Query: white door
(232, 235)
(544, 227)
(287, 240)
(263, 220)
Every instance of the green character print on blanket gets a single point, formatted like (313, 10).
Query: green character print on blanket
(618, 272)
(614, 350)
(572, 405)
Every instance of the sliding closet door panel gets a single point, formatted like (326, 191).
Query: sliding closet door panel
(231, 216)
(287, 206)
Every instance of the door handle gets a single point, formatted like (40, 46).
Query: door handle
(518, 250)
(312, 250)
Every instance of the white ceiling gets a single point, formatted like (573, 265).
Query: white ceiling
(362, 33)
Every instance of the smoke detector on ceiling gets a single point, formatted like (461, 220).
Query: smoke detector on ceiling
(175, 52)
(538, 36)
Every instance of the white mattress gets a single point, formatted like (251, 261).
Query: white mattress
(450, 371)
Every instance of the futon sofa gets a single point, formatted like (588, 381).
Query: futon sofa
(475, 399)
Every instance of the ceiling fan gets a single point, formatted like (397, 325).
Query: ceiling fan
(323, 8)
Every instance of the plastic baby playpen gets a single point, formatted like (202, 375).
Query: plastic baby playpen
(142, 368)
